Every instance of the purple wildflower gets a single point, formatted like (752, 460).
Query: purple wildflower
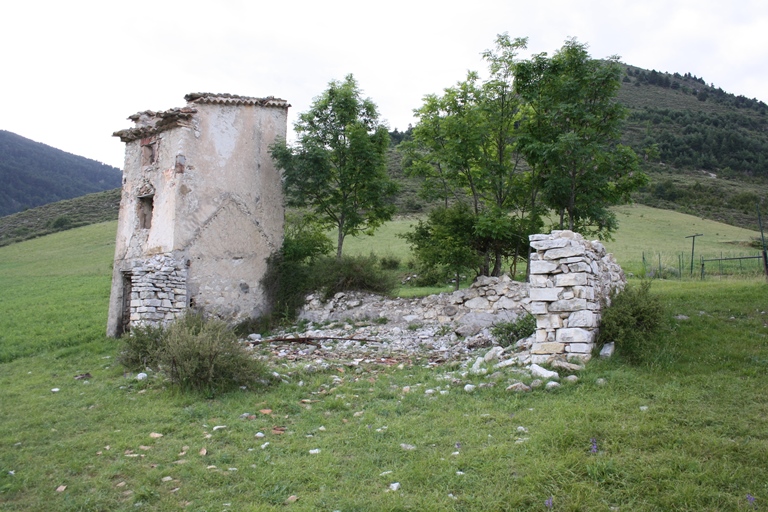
(549, 501)
(594, 445)
(751, 500)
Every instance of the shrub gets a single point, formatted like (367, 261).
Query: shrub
(360, 273)
(205, 355)
(507, 333)
(390, 262)
(140, 347)
(61, 223)
(631, 321)
(193, 353)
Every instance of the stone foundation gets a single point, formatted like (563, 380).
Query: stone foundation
(158, 291)
(570, 279)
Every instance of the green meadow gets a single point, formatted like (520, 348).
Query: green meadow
(687, 429)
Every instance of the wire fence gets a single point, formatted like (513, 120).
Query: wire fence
(659, 265)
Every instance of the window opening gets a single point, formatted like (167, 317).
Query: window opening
(146, 206)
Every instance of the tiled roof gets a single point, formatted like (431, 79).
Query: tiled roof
(149, 123)
(234, 99)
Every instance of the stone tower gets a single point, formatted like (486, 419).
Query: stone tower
(201, 210)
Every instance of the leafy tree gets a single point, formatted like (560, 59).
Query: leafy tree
(337, 168)
(446, 242)
(465, 146)
(571, 136)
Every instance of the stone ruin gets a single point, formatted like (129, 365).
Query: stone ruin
(201, 210)
(570, 280)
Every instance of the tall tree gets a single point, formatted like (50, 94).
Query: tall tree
(337, 168)
(571, 136)
(465, 145)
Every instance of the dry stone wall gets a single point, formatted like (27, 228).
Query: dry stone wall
(158, 291)
(570, 277)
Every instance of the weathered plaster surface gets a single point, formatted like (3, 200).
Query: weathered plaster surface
(216, 203)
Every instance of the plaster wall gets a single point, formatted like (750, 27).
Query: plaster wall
(216, 209)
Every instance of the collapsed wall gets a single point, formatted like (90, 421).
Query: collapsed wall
(570, 278)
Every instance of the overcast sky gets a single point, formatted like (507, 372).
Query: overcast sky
(73, 71)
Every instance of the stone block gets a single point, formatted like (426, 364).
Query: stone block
(478, 303)
(571, 279)
(544, 245)
(565, 252)
(575, 335)
(541, 336)
(580, 267)
(549, 322)
(542, 267)
(548, 348)
(579, 348)
(545, 294)
(538, 308)
(582, 318)
(506, 303)
(536, 238)
(567, 305)
(540, 281)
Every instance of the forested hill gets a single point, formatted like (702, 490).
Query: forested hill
(709, 148)
(33, 174)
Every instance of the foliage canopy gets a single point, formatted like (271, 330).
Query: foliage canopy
(337, 168)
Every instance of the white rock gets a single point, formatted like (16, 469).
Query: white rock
(607, 350)
(572, 379)
(394, 486)
(552, 385)
(55, 390)
(538, 371)
(315, 451)
(470, 388)
(141, 376)
(259, 435)
(493, 354)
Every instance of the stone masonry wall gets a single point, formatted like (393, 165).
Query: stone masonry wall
(569, 278)
(158, 291)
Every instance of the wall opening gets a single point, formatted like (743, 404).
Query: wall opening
(148, 154)
(125, 307)
(146, 206)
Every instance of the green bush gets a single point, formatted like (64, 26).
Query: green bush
(390, 262)
(193, 353)
(205, 355)
(507, 333)
(359, 273)
(632, 321)
(140, 347)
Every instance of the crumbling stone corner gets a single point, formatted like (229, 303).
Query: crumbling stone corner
(570, 278)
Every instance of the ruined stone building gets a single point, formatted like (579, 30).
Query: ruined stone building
(201, 210)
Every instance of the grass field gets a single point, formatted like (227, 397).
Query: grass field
(685, 430)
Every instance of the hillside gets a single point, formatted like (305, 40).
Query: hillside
(34, 174)
(60, 216)
(707, 147)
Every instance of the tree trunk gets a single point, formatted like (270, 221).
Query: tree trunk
(496, 264)
(339, 243)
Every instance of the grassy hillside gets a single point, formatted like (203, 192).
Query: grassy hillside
(685, 430)
(59, 216)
